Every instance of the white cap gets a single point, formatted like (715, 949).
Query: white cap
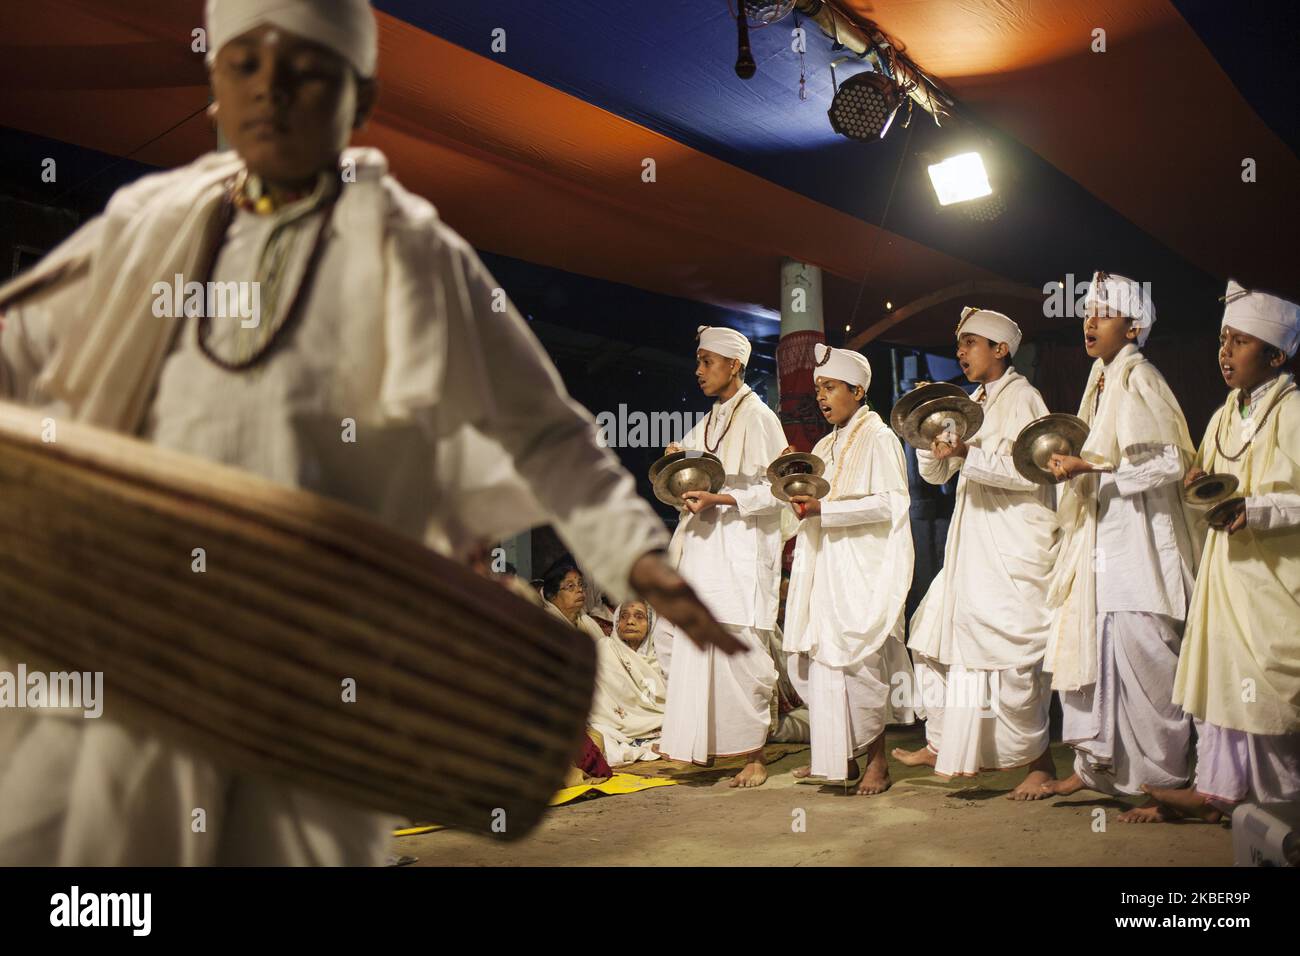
(725, 342)
(1119, 295)
(991, 325)
(345, 26)
(1264, 316)
(843, 364)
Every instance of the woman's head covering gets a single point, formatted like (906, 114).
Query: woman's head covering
(647, 646)
(345, 26)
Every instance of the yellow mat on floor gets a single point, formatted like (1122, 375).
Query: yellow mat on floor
(618, 784)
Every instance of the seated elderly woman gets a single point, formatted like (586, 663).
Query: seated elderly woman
(565, 593)
(628, 709)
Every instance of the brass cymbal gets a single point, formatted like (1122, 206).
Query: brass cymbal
(787, 486)
(931, 419)
(1220, 516)
(1209, 490)
(795, 463)
(664, 460)
(1057, 433)
(922, 393)
(687, 471)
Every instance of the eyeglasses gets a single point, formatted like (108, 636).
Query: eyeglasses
(571, 588)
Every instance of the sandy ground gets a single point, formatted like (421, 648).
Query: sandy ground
(921, 821)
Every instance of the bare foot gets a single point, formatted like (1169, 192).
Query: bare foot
(804, 772)
(1062, 788)
(1041, 772)
(925, 757)
(875, 779)
(754, 774)
(1184, 802)
(1149, 812)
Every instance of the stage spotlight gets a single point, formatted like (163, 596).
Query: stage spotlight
(959, 179)
(863, 106)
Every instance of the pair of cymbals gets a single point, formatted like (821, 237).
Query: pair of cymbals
(1223, 514)
(1218, 493)
(936, 411)
(682, 471)
(1210, 490)
(924, 392)
(1055, 434)
(798, 473)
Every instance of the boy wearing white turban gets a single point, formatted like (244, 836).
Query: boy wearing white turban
(1239, 670)
(372, 310)
(981, 631)
(728, 546)
(852, 569)
(1126, 565)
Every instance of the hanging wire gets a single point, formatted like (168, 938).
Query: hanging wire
(121, 159)
(884, 218)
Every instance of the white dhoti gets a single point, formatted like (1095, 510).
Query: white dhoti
(718, 705)
(1125, 728)
(979, 720)
(850, 707)
(85, 792)
(1232, 766)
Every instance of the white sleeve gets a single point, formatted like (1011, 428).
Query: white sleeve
(999, 471)
(499, 379)
(1280, 509)
(757, 499)
(847, 512)
(1156, 466)
(933, 470)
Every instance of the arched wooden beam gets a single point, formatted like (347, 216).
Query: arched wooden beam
(968, 288)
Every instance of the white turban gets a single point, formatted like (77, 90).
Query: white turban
(843, 364)
(725, 342)
(345, 26)
(1264, 316)
(991, 325)
(1118, 295)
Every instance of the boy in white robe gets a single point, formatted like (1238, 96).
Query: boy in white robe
(852, 570)
(728, 547)
(371, 310)
(1126, 566)
(1239, 670)
(984, 621)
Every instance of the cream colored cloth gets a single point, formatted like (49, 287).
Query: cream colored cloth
(853, 562)
(718, 704)
(730, 554)
(585, 622)
(631, 696)
(849, 707)
(345, 26)
(978, 720)
(987, 607)
(1240, 663)
(1137, 413)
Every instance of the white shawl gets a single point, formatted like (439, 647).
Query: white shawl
(1138, 411)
